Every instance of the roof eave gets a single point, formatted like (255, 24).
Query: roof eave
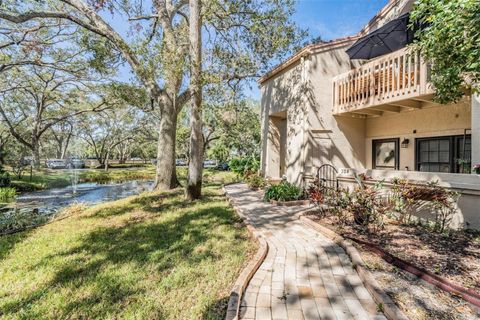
(306, 51)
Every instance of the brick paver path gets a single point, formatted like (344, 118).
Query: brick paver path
(305, 275)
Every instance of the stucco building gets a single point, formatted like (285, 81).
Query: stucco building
(372, 116)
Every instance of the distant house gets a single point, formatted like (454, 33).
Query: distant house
(374, 116)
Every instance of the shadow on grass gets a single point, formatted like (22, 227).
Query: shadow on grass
(157, 204)
(8, 242)
(157, 246)
(217, 310)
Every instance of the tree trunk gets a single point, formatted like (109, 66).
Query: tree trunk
(65, 144)
(36, 154)
(107, 157)
(166, 177)
(2, 154)
(59, 148)
(195, 166)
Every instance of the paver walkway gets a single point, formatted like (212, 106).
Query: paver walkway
(305, 275)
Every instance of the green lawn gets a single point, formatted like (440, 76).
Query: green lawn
(41, 179)
(118, 175)
(152, 256)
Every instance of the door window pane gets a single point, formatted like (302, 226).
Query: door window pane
(385, 154)
(464, 158)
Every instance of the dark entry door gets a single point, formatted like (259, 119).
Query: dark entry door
(386, 154)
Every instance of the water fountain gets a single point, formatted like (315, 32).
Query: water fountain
(74, 176)
(74, 164)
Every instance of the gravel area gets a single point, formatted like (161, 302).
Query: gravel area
(454, 256)
(418, 299)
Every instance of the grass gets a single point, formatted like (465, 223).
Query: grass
(118, 175)
(41, 179)
(152, 256)
(7, 194)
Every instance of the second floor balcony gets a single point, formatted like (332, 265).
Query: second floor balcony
(389, 83)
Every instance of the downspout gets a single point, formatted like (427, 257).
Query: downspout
(305, 73)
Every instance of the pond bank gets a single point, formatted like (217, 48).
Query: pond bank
(48, 178)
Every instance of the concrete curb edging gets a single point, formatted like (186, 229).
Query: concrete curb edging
(235, 300)
(289, 203)
(390, 309)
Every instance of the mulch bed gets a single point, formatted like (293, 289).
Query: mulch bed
(454, 256)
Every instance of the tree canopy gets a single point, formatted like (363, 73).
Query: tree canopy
(450, 41)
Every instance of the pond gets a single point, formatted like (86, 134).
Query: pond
(39, 206)
(88, 193)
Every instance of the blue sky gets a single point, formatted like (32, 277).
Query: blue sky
(331, 19)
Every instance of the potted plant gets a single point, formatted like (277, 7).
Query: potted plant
(476, 168)
(463, 165)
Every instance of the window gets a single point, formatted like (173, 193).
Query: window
(443, 154)
(385, 154)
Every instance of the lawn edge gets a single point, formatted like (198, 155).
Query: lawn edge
(235, 298)
(390, 309)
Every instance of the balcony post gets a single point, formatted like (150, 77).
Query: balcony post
(475, 129)
(371, 98)
(423, 76)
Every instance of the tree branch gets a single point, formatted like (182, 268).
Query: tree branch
(30, 15)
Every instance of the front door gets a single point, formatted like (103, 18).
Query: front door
(386, 154)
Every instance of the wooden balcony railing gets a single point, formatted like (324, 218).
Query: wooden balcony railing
(389, 79)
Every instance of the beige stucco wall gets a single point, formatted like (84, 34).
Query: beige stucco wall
(435, 121)
(314, 135)
(273, 152)
(331, 139)
(284, 95)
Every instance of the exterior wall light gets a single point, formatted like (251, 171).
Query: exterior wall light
(405, 143)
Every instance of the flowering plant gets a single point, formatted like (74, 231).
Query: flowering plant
(476, 168)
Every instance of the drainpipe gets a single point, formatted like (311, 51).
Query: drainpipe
(305, 74)
(475, 129)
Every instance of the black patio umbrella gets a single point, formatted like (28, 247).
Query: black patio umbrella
(390, 37)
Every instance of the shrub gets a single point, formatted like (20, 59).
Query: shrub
(338, 201)
(476, 168)
(284, 191)
(406, 197)
(366, 206)
(245, 166)
(20, 219)
(4, 179)
(7, 194)
(316, 193)
(256, 182)
(363, 204)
